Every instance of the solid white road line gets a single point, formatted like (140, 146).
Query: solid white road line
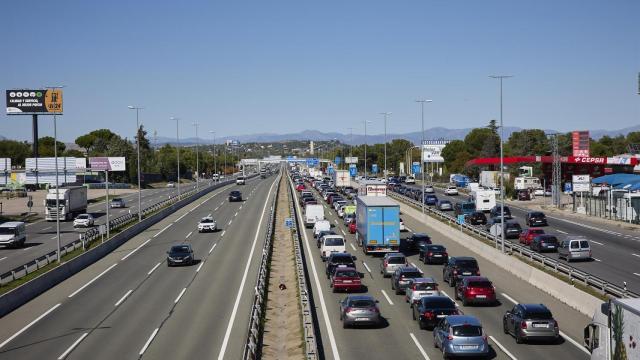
(509, 298)
(598, 260)
(424, 353)
(47, 228)
(366, 266)
(124, 297)
(213, 247)
(73, 346)
(161, 231)
(146, 345)
(29, 325)
(180, 218)
(55, 237)
(200, 266)
(577, 344)
(595, 242)
(154, 268)
(236, 214)
(216, 209)
(353, 247)
(180, 295)
(344, 233)
(136, 249)
(189, 234)
(504, 349)
(92, 280)
(230, 221)
(387, 297)
(225, 341)
(636, 274)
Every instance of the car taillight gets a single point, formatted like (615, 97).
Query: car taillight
(430, 253)
(428, 315)
(385, 263)
(455, 272)
(555, 324)
(348, 309)
(374, 309)
(446, 254)
(523, 325)
(478, 273)
(450, 336)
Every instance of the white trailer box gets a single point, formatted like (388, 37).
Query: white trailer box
(484, 199)
(72, 200)
(527, 182)
(372, 188)
(312, 214)
(614, 331)
(341, 178)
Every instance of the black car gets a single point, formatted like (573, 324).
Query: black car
(235, 195)
(495, 212)
(339, 260)
(536, 218)
(512, 229)
(476, 218)
(431, 309)
(545, 242)
(433, 254)
(458, 267)
(523, 195)
(180, 255)
(416, 240)
(402, 278)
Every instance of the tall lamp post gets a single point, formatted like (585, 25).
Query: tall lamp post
(385, 141)
(365, 148)
(501, 77)
(215, 169)
(197, 158)
(137, 109)
(55, 154)
(422, 101)
(177, 120)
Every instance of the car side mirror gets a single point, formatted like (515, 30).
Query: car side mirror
(377, 301)
(354, 258)
(167, 252)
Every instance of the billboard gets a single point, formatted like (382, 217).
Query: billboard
(580, 142)
(374, 168)
(432, 150)
(581, 183)
(43, 170)
(351, 160)
(40, 101)
(107, 163)
(353, 170)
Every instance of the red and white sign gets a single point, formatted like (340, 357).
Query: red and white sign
(373, 190)
(587, 160)
(580, 141)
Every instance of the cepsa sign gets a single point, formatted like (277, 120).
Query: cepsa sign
(588, 160)
(47, 101)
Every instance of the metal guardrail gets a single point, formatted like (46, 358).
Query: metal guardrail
(87, 238)
(602, 285)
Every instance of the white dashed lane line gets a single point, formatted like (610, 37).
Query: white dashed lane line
(504, 350)
(92, 280)
(180, 295)
(154, 268)
(213, 247)
(189, 234)
(366, 266)
(73, 346)
(124, 297)
(387, 297)
(353, 247)
(146, 345)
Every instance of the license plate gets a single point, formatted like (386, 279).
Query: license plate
(481, 296)
(467, 347)
(540, 325)
(342, 266)
(466, 273)
(441, 316)
(347, 281)
(177, 260)
(437, 255)
(362, 319)
(551, 247)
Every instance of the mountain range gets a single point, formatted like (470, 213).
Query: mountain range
(415, 137)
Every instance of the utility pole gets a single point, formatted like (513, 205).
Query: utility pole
(177, 120)
(422, 101)
(137, 109)
(385, 141)
(197, 158)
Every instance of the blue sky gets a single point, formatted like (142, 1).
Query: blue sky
(242, 67)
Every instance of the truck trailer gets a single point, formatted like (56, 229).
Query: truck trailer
(377, 224)
(341, 178)
(72, 200)
(614, 331)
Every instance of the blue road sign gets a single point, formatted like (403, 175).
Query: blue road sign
(330, 169)
(338, 160)
(415, 167)
(567, 187)
(353, 170)
(460, 219)
(288, 223)
(374, 168)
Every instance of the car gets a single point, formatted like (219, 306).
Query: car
(345, 279)
(13, 234)
(402, 179)
(403, 276)
(429, 310)
(207, 223)
(419, 288)
(574, 248)
(339, 260)
(495, 212)
(410, 180)
(536, 218)
(235, 195)
(430, 199)
(475, 290)
(527, 235)
(323, 233)
(300, 187)
(332, 244)
(530, 321)
(348, 218)
(428, 189)
(451, 190)
(117, 203)
(83, 220)
(416, 240)
(352, 226)
(433, 254)
(171, 184)
(402, 227)
(359, 310)
(180, 255)
(320, 225)
(337, 204)
(444, 205)
(523, 195)
(458, 267)
(464, 208)
(543, 243)
(240, 180)
(461, 335)
(538, 192)
(476, 218)
(512, 229)
(390, 262)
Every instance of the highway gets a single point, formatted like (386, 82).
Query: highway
(616, 251)
(41, 235)
(130, 305)
(401, 337)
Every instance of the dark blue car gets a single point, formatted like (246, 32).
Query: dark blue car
(430, 199)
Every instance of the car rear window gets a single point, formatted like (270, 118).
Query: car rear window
(439, 303)
(467, 263)
(549, 239)
(467, 330)
(538, 315)
(333, 242)
(342, 260)
(537, 214)
(396, 260)
(436, 248)
(411, 274)
(425, 286)
(584, 244)
(480, 284)
(347, 273)
(362, 303)
(537, 231)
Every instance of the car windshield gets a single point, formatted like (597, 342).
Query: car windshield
(180, 249)
(539, 315)
(333, 242)
(469, 206)
(512, 226)
(467, 330)
(206, 221)
(7, 231)
(420, 237)
(411, 274)
(480, 284)
(116, 200)
(425, 286)
(537, 215)
(467, 263)
(362, 303)
(347, 273)
(441, 303)
(537, 231)
(396, 260)
(82, 217)
(234, 193)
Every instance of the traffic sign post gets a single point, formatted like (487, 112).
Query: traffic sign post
(374, 168)
(353, 170)
(288, 223)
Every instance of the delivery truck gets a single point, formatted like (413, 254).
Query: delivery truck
(614, 331)
(341, 178)
(377, 224)
(72, 200)
(491, 179)
(484, 199)
(313, 213)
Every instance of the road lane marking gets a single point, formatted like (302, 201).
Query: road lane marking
(29, 325)
(424, 353)
(180, 218)
(240, 208)
(26, 249)
(146, 345)
(3, 258)
(335, 221)
(631, 254)
(154, 268)
(161, 231)
(222, 233)
(180, 295)
(577, 344)
(636, 274)
(509, 298)
(124, 297)
(225, 341)
(366, 266)
(387, 297)
(216, 209)
(73, 346)
(344, 233)
(408, 229)
(213, 247)
(562, 232)
(353, 247)
(595, 242)
(134, 250)
(55, 237)
(47, 228)
(189, 234)
(236, 214)
(598, 260)
(504, 349)
(92, 280)
(200, 266)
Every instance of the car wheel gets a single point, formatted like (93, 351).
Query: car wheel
(465, 302)
(344, 324)
(519, 339)
(504, 327)
(422, 325)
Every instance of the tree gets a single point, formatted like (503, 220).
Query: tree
(17, 151)
(86, 142)
(527, 142)
(73, 153)
(45, 147)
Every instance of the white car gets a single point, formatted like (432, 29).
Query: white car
(171, 184)
(419, 288)
(331, 244)
(451, 190)
(341, 211)
(402, 227)
(240, 180)
(429, 189)
(207, 224)
(410, 180)
(83, 220)
(538, 192)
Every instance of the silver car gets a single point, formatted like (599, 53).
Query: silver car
(390, 262)
(359, 310)
(530, 321)
(574, 248)
(460, 335)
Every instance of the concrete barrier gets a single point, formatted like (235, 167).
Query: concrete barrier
(573, 297)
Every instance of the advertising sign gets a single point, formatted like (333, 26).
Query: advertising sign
(45, 170)
(368, 189)
(107, 163)
(432, 150)
(580, 141)
(40, 101)
(353, 170)
(581, 183)
(374, 168)
(415, 167)
(351, 160)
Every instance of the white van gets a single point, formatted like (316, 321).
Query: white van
(331, 244)
(240, 180)
(13, 233)
(321, 225)
(312, 214)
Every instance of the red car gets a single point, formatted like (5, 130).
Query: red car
(301, 187)
(527, 235)
(346, 279)
(475, 289)
(352, 227)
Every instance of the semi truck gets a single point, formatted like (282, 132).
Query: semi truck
(614, 331)
(491, 179)
(341, 178)
(72, 200)
(377, 224)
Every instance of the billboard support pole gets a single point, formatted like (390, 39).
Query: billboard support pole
(106, 182)
(35, 142)
(55, 154)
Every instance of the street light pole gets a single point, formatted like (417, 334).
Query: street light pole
(137, 109)
(385, 141)
(197, 158)
(55, 155)
(215, 170)
(501, 77)
(422, 101)
(177, 120)
(365, 148)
